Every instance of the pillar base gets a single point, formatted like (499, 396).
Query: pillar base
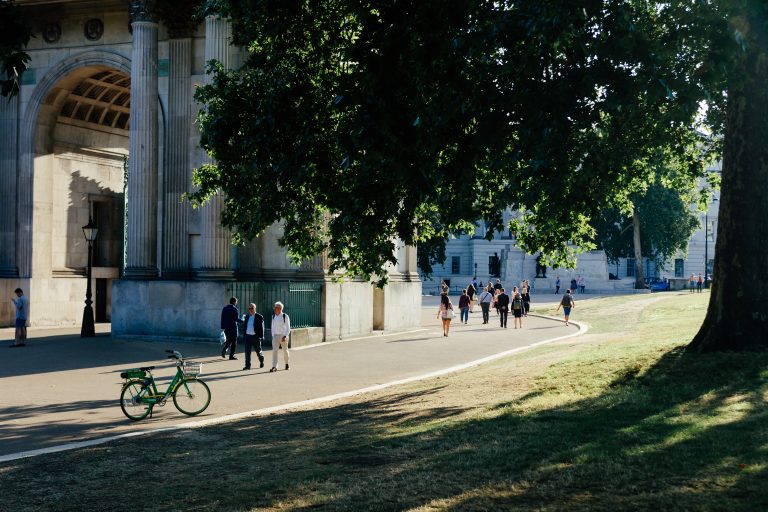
(140, 273)
(215, 275)
(9, 272)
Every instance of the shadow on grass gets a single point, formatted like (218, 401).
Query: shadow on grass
(689, 432)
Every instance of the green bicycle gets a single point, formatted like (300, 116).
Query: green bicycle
(139, 394)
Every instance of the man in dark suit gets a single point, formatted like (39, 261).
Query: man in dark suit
(230, 317)
(502, 301)
(254, 335)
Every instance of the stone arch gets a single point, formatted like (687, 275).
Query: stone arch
(37, 116)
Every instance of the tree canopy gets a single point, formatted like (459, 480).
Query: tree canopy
(357, 122)
(15, 33)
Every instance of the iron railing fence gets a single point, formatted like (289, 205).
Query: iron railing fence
(302, 300)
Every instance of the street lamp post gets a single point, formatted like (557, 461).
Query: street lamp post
(706, 245)
(88, 330)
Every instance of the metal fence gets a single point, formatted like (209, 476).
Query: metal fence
(302, 300)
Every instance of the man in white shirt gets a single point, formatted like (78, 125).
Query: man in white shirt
(281, 332)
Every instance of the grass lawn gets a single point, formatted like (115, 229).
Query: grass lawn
(619, 419)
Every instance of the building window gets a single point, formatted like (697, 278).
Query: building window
(679, 267)
(455, 264)
(630, 267)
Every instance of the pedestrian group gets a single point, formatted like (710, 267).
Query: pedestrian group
(253, 325)
(494, 296)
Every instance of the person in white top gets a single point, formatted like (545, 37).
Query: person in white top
(281, 332)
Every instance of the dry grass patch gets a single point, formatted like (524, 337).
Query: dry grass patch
(621, 419)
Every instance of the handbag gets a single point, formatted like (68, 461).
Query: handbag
(222, 337)
(449, 314)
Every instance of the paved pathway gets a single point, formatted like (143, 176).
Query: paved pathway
(61, 388)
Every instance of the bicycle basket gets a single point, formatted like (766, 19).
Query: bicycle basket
(192, 369)
(133, 373)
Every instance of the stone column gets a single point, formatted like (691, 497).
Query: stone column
(179, 166)
(143, 144)
(9, 125)
(216, 241)
(411, 263)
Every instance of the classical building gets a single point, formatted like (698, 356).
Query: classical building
(470, 256)
(104, 129)
(473, 256)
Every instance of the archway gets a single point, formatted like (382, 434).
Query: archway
(73, 147)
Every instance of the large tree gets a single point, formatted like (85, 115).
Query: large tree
(735, 319)
(657, 224)
(414, 119)
(357, 122)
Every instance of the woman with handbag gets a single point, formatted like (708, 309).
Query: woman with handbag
(446, 313)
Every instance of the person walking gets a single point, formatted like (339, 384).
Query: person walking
(281, 332)
(526, 296)
(21, 303)
(471, 292)
(566, 303)
(557, 286)
(582, 284)
(699, 283)
(485, 304)
(445, 312)
(573, 286)
(517, 309)
(230, 317)
(464, 302)
(502, 302)
(254, 335)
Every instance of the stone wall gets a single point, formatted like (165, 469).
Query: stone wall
(348, 309)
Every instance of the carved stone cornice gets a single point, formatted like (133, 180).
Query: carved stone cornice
(143, 10)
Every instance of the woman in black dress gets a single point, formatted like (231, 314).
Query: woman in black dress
(526, 295)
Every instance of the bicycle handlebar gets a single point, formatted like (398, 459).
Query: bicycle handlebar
(175, 354)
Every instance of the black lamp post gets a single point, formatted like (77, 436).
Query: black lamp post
(88, 330)
(706, 245)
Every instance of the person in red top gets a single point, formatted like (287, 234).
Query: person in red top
(464, 302)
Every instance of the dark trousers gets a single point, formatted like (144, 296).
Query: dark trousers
(252, 343)
(230, 344)
(486, 307)
(503, 313)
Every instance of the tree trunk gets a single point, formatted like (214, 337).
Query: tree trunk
(737, 317)
(639, 281)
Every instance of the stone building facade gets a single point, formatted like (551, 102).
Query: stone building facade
(104, 129)
(470, 256)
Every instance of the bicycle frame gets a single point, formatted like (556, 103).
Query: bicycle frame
(151, 395)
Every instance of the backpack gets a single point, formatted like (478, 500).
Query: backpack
(517, 303)
(566, 302)
(273, 316)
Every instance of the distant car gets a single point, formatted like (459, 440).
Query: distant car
(659, 286)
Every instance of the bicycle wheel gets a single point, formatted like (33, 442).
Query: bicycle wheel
(134, 409)
(191, 396)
